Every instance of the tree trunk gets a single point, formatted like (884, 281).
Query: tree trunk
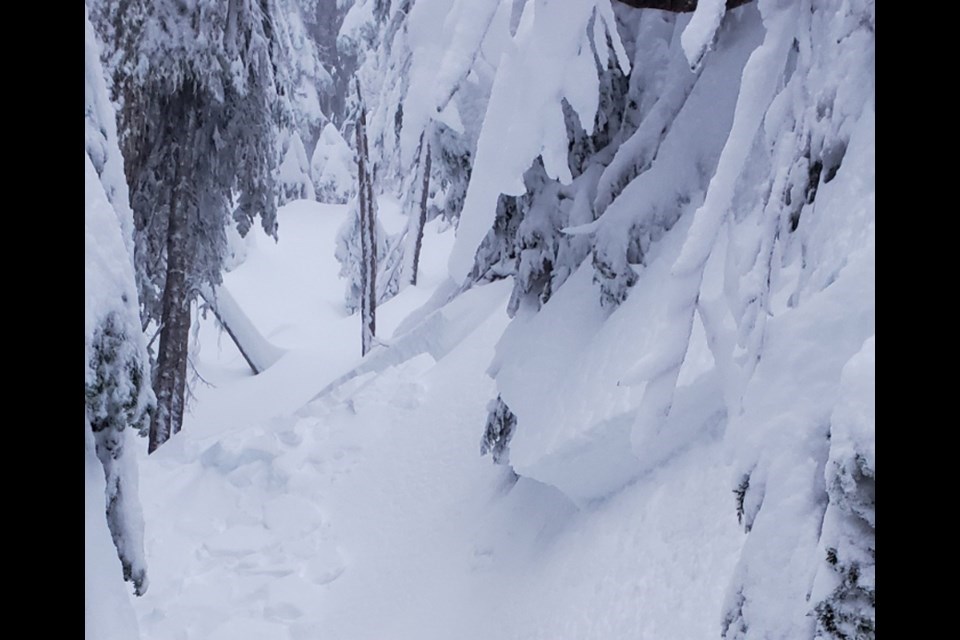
(418, 242)
(675, 6)
(368, 240)
(170, 383)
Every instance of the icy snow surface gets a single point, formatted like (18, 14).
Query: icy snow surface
(366, 512)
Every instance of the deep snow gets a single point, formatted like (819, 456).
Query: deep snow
(367, 512)
(696, 449)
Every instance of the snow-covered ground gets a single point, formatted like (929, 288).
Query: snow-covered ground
(366, 512)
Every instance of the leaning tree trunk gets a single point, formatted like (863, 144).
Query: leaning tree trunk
(368, 240)
(170, 384)
(259, 353)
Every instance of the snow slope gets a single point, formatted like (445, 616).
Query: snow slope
(367, 512)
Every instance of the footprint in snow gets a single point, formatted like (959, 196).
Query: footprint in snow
(325, 566)
(239, 541)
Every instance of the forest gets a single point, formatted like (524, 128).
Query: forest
(480, 319)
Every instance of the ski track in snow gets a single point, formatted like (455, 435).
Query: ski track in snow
(368, 513)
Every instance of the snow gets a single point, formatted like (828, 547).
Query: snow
(445, 36)
(108, 273)
(760, 77)
(523, 118)
(684, 462)
(854, 417)
(332, 167)
(108, 614)
(605, 11)
(108, 226)
(367, 512)
(700, 31)
(391, 215)
(100, 129)
(358, 20)
(258, 352)
(780, 438)
(590, 412)
(294, 172)
(311, 501)
(114, 357)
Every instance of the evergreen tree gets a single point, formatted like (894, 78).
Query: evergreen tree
(310, 79)
(846, 582)
(349, 255)
(294, 172)
(202, 88)
(497, 433)
(118, 399)
(370, 261)
(409, 121)
(322, 20)
(706, 187)
(332, 167)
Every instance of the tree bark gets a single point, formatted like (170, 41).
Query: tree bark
(418, 242)
(368, 240)
(675, 6)
(170, 383)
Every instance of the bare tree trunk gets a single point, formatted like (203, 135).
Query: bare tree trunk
(423, 209)
(676, 6)
(170, 383)
(368, 240)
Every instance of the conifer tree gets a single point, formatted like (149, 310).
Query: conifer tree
(203, 89)
(117, 395)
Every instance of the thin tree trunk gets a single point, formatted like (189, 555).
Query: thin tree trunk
(171, 378)
(368, 244)
(418, 242)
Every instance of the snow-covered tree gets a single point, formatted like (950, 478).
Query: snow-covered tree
(310, 79)
(845, 588)
(498, 431)
(372, 35)
(680, 197)
(349, 256)
(294, 173)
(397, 48)
(118, 399)
(322, 20)
(202, 89)
(715, 179)
(332, 167)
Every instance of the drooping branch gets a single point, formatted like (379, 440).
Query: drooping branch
(676, 6)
